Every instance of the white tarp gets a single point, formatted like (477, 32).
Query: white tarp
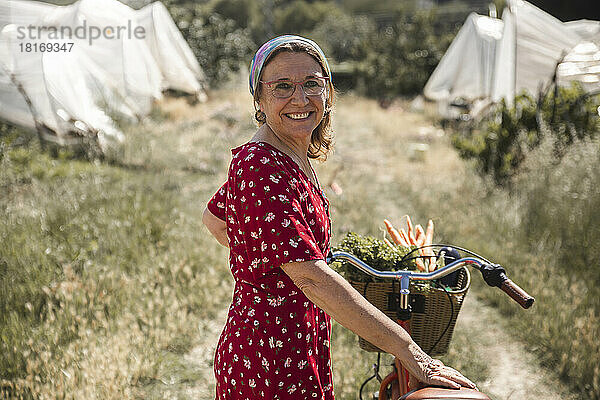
(534, 42)
(60, 89)
(110, 68)
(587, 29)
(177, 63)
(519, 52)
(467, 68)
(581, 64)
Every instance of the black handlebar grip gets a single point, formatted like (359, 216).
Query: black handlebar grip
(517, 294)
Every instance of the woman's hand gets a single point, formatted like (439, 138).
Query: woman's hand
(216, 226)
(328, 290)
(430, 371)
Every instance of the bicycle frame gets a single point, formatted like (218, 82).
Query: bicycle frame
(400, 379)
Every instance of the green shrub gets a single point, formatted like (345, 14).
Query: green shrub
(300, 17)
(220, 44)
(240, 11)
(345, 37)
(393, 56)
(501, 144)
(247, 14)
(401, 55)
(10, 135)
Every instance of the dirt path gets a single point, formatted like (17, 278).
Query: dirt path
(514, 372)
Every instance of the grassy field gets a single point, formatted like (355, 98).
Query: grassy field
(110, 287)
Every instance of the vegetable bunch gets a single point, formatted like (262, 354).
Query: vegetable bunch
(415, 236)
(373, 251)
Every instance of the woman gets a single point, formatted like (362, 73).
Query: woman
(274, 217)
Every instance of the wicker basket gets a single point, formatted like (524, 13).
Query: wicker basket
(433, 313)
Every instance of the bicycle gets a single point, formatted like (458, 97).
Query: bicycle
(397, 384)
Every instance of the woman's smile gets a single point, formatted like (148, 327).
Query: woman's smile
(299, 116)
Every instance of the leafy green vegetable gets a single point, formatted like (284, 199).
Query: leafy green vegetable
(374, 252)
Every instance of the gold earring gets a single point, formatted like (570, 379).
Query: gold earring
(260, 116)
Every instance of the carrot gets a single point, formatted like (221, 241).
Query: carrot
(409, 227)
(420, 264)
(429, 233)
(413, 242)
(393, 232)
(408, 239)
(404, 241)
(420, 235)
(429, 242)
(404, 236)
(420, 239)
(389, 243)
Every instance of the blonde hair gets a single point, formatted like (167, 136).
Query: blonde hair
(321, 141)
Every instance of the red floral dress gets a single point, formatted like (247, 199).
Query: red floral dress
(275, 344)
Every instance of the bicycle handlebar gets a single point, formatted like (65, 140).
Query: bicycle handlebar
(493, 274)
(415, 276)
(517, 294)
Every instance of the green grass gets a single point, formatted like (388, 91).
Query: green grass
(105, 270)
(110, 287)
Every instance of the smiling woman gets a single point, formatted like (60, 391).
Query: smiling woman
(274, 217)
(301, 55)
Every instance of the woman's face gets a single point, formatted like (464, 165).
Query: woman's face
(298, 115)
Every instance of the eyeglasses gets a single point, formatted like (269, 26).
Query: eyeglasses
(285, 88)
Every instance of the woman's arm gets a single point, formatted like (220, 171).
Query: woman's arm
(332, 293)
(216, 226)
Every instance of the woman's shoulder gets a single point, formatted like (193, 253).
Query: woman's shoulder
(250, 148)
(259, 163)
(255, 156)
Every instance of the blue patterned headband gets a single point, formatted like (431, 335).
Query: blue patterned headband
(266, 49)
